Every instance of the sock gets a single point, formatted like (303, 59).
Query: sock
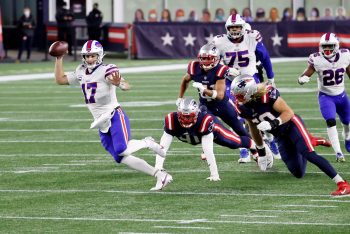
(333, 137)
(159, 162)
(134, 146)
(346, 132)
(138, 165)
(337, 179)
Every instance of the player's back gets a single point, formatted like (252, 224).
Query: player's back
(331, 72)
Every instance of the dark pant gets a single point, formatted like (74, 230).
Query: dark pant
(26, 44)
(67, 34)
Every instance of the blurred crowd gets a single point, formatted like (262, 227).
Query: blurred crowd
(260, 15)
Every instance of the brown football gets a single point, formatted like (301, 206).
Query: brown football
(58, 48)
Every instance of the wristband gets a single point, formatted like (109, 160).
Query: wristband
(215, 94)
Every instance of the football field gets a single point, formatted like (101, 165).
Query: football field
(55, 177)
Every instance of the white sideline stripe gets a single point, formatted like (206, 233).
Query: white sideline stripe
(283, 211)
(184, 227)
(167, 193)
(84, 120)
(251, 216)
(68, 130)
(340, 201)
(65, 164)
(128, 70)
(170, 220)
(312, 206)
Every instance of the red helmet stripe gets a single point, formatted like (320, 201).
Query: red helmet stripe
(328, 35)
(89, 44)
(233, 18)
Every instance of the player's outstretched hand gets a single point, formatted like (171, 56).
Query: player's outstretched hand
(262, 162)
(178, 100)
(115, 78)
(264, 126)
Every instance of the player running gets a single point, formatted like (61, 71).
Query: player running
(265, 110)
(98, 82)
(331, 64)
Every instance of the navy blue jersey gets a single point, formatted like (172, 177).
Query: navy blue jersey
(207, 78)
(261, 109)
(192, 135)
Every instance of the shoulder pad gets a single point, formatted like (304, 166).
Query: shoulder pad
(110, 68)
(254, 34)
(169, 121)
(316, 54)
(191, 68)
(222, 69)
(343, 50)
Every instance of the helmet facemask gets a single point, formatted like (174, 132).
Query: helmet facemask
(235, 21)
(187, 112)
(92, 48)
(208, 56)
(329, 45)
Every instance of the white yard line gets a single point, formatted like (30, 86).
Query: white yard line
(251, 216)
(282, 211)
(184, 227)
(169, 221)
(311, 206)
(160, 193)
(129, 70)
(336, 201)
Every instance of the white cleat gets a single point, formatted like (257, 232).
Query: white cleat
(163, 179)
(154, 146)
(277, 156)
(203, 157)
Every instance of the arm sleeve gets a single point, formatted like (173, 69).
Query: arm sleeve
(165, 141)
(72, 78)
(208, 149)
(264, 57)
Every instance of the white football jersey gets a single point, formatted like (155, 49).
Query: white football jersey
(331, 72)
(239, 55)
(100, 95)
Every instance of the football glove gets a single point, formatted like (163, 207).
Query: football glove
(199, 86)
(265, 162)
(303, 79)
(268, 125)
(178, 101)
(214, 178)
(233, 72)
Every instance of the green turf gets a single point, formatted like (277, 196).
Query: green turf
(56, 178)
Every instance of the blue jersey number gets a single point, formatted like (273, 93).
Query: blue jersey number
(89, 90)
(243, 60)
(331, 77)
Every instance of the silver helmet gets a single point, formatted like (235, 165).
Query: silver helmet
(187, 112)
(243, 88)
(208, 56)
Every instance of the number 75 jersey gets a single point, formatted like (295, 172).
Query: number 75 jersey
(331, 73)
(239, 55)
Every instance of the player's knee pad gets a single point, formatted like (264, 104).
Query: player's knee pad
(331, 122)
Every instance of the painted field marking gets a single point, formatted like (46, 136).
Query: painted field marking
(192, 221)
(184, 227)
(160, 193)
(250, 216)
(170, 220)
(282, 211)
(337, 201)
(312, 206)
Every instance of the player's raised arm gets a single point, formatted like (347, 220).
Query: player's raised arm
(60, 76)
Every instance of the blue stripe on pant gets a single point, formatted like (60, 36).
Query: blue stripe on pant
(115, 141)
